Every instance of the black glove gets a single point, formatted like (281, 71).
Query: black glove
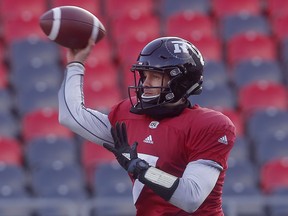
(125, 154)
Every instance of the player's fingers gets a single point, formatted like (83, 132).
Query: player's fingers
(124, 133)
(115, 137)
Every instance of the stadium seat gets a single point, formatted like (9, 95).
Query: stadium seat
(92, 155)
(191, 23)
(38, 96)
(19, 29)
(241, 179)
(129, 49)
(248, 46)
(101, 76)
(9, 125)
(113, 10)
(221, 8)
(101, 99)
(3, 76)
(261, 95)
(43, 122)
(278, 208)
(237, 119)
(50, 151)
(278, 25)
(33, 52)
(241, 151)
(217, 97)
(169, 7)
(267, 122)
(276, 8)
(46, 76)
(25, 9)
(215, 73)
(274, 175)
(250, 71)
(59, 182)
(6, 101)
(111, 180)
(94, 6)
(240, 23)
(102, 54)
(271, 147)
(11, 151)
(13, 182)
(135, 24)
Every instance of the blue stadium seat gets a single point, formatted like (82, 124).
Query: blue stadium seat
(215, 96)
(112, 181)
(169, 7)
(249, 71)
(59, 182)
(240, 23)
(241, 151)
(215, 73)
(49, 76)
(271, 147)
(34, 52)
(13, 182)
(6, 104)
(50, 151)
(9, 125)
(36, 97)
(266, 122)
(241, 179)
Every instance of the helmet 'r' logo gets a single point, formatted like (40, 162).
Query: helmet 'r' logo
(180, 47)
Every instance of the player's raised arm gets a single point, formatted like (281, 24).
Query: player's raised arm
(88, 123)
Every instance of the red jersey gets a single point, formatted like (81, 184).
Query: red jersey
(170, 144)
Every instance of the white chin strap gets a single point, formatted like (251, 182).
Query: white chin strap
(149, 98)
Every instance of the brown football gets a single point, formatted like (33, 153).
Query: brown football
(71, 26)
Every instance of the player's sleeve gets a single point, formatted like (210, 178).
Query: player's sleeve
(88, 123)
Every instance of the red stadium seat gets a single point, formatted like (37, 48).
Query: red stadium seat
(279, 26)
(210, 47)
(101, 76)
(191, 23)
(136, 24)
(11, 9)
(276, 8)
(261, 95)
(92, 6)
(274, 175)
(19, 28)
(92, 155)
(11, 152)
(129, 49)
(41, 123)
(101, 99)
(113, 9)
(3, 76)
(249, 46)
(227, 7)
(236, 117)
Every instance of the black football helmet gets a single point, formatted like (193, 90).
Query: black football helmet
(176, 57)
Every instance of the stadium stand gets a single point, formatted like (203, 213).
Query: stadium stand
(245, 47)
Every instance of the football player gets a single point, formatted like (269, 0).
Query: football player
(175, 152)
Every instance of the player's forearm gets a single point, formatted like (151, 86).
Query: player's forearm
(187, 192)
(90, 124)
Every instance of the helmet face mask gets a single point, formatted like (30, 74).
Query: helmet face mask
(177, 58)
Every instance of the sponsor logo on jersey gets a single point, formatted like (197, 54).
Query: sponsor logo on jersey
(148, 140)
(223, 140)
(153, 124)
